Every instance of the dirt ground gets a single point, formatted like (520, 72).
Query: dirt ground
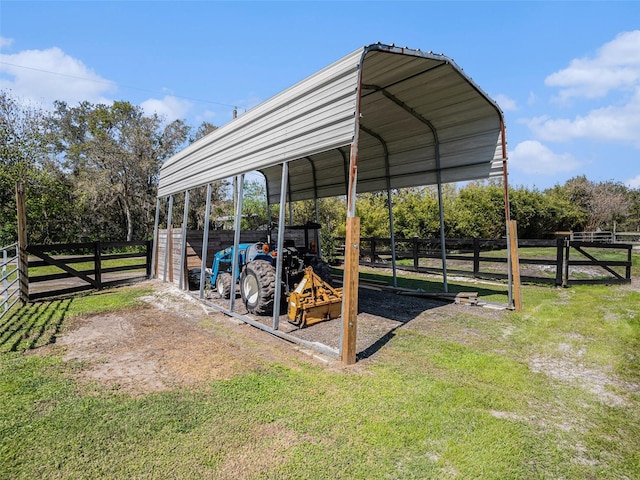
(172, 339)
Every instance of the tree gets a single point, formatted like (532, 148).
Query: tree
(478, 211)
(600, 204)
(25, 157)
(416, 213)
(114, 153)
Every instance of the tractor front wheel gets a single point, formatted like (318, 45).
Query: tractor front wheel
(258, 286)
(223, 285)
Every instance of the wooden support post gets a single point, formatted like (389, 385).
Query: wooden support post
(149, 256)
(350, 291)
(416, 259)
(559, 260)
(476, 257)
(373, 251)
(565, 266)
(97, 264)
(515, 264)
(23, 257)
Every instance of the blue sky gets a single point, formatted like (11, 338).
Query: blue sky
(566, 74)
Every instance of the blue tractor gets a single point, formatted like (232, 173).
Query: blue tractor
(256, 275)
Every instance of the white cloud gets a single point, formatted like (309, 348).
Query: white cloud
(43, 76)
(634, 182)
(169, 107)
(532, 99)
(608, 124)
(5, 42)
(532, 157)
(206, 116)
(506, 104)
(616, 65)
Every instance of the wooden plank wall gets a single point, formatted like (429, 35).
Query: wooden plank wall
(218, 240)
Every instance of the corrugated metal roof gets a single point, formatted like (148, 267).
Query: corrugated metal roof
(406, 95)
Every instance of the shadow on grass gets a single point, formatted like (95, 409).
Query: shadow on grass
(435, 286)
(404, 308)
(32, 326)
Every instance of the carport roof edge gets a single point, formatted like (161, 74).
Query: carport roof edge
(422, 120)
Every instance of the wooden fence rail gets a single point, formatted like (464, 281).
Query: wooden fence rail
(93, 265)
(487, 258)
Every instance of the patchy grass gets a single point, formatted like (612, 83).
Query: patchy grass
(38, 323)
(551, 392)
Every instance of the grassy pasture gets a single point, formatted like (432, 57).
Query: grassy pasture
(550, 392)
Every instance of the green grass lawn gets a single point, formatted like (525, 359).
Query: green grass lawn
(550, 392)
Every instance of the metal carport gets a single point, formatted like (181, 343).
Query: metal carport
(382, 117)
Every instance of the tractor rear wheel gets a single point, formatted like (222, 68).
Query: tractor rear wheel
(323, 270)
(258, 286)
(223, 285)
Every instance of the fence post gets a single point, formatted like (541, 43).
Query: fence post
(476, 257)
(23, 257)
(628, 269)
(416, 261)
(559, 260)
(373, 251)
(567, 248)
(149, 252)
(97, 264)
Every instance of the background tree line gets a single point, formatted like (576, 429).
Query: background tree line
(92, 170)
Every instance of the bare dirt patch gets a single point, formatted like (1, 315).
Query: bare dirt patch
(171, 340)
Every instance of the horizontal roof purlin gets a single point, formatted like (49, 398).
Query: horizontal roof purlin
(406, 97)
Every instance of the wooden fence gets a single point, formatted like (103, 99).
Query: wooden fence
(555, 261)
(74, 267)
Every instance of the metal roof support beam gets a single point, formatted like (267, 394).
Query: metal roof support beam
(239, 188)
(183, 245)
(315, 205)
(266, 190)
(168, 242)
(426, 122)
(389, 202)
(345, 163)
(279, 257)
(205, 241)
(290, 202)
(155, 239)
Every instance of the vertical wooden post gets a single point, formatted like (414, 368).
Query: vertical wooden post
(515, 264)
(149, 254)
(416, 260)
(97, 264)
(559, 260)
(373, 251)
(565, 266)
(476, 257)
(23, 257)
(350, 291)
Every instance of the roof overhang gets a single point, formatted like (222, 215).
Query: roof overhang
(422, 121)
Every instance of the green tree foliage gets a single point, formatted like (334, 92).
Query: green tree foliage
(254, 206)
(478, 211)
(114, 153)
(416, 213)
(25, 157)
(593, 206)
(373, 210)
